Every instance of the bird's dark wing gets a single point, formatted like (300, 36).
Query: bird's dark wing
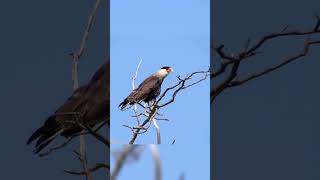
(148, 87)
(88, 103)
(95, 101)
(148, 90)
(59, 121)
(98, 97)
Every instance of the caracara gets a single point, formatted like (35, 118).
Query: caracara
(88, 104)
(148, 90)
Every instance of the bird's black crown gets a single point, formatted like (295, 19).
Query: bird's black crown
(165, 67)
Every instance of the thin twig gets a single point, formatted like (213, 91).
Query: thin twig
(49, 151)
(181, 85)
(134, 77)
(92, 169)
(69, 139)
(95, 134)
(291, 59)
(151, 116)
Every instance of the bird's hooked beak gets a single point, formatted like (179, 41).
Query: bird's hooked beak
(169, 70)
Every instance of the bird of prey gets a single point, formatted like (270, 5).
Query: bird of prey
(148, 90)
(88, 104)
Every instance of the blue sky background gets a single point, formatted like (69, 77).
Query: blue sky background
(163, 33)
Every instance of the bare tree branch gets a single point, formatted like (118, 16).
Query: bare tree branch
(141, 126)
(233, 62)
(97, 167)
(98, 136)
(133, 87)
(68, 140)
(52, 149)
(291, 59)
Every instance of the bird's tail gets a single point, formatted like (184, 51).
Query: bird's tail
(124, 103)
(45, 134)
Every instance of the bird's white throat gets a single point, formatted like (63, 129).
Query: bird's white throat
(162, 73)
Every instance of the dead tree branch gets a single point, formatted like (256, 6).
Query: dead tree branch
(92, 169)
(68, 140)
(133, 87)
(230, 63)
(286, 61)
(95, 134)
(142, 126)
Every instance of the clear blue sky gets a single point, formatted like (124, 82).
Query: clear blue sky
(163, 33)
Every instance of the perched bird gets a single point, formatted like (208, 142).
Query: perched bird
(148, 90)
(88, 104)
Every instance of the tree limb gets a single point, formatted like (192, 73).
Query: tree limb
(233, 62)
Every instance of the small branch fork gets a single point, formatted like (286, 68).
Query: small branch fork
(230, 64)
(94, 132)
(151, 111)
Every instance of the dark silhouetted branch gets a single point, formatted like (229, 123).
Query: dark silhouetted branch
(230, 63)
(291, 59)
(92, 169)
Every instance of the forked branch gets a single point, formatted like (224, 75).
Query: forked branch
(230, 63)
